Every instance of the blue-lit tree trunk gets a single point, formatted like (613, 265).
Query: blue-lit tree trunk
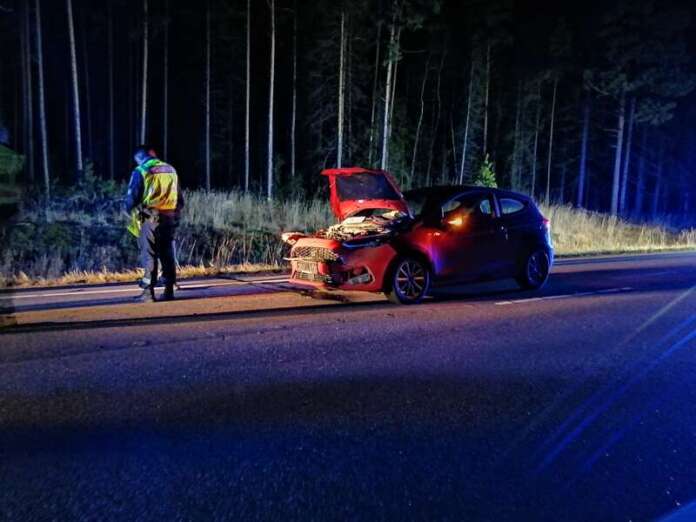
(420, 119)
(143, 108)
(248, 97)
(341, 92)
(392, 51)
(165, 86)
(375, 81)
(627, 158)
(293, 119)
(207, 97)
(618, 155)
(28, 94)
(582, 174)
(640, 181)
(110, 44)
(42, 104)
(75, 91)
(547, 198)
(465, 145)
(269, 170)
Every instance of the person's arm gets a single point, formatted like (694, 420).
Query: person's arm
(135, 191)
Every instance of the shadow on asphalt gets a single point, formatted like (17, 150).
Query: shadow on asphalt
(565, 283)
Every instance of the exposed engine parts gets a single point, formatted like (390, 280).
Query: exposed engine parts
(359, 226)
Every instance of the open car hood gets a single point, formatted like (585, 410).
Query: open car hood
(354, 189)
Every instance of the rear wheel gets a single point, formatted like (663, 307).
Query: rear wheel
(409, 283)
(534, 271)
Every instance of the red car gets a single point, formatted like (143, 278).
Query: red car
(402, 244)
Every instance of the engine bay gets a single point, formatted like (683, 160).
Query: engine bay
(366, 223)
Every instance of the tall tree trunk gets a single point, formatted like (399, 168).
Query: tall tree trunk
(348, 89)
(618, 155)
(436, 124)
(29, 95)
(420, 119)
(341, 94)
(89, 135)
(453, 170)
(387, 94)
(269, 171)
(465, 145)
(394, 83)
(110, 38)
(207, 97)
(486, 99)
(537, 122)
(165, 86)
(582, 174)
(75, 92)
(143, 109)
(516, 138)
(247, 103)
(627, 158)
(552, 125)
(658, 182)
(640, 182)
(375, 81)
(42, 105)
(293, 123)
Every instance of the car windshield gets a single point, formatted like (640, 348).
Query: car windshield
(365, 186)
(424, 201)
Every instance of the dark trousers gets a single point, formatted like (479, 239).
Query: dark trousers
(156, 246)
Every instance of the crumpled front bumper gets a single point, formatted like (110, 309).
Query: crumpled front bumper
(360, 269)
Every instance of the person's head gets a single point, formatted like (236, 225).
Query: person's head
(144, 153)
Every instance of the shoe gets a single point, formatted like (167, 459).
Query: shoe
(168, 294)
(147, 296)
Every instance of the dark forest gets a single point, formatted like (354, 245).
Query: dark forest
(586, 103)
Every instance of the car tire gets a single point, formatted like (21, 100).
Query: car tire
(534, 271)
(409, 281)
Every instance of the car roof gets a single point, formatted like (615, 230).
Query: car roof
(447, 191)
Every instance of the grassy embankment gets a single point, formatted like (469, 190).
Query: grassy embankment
(85, 241)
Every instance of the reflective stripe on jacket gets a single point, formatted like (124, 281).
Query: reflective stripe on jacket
(160, 185)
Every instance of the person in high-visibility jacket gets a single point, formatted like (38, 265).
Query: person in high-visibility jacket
(156, 199)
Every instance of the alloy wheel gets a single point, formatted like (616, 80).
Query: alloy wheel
(411, 280)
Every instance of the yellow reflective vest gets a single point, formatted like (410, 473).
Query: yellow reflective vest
(160, 185)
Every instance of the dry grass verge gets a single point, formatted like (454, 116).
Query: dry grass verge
(229, 232)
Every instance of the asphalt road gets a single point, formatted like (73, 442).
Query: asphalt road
(250, 401)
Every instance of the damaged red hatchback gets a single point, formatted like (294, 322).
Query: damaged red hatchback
(403, 244)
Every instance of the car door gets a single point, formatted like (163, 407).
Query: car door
(515, 220)
(470, 239)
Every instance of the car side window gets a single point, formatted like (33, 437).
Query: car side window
(468, 204)
(510, 206)
(451, 205)
(485, 207)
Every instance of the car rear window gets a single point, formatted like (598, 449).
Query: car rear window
(365, 186)
(511, 206)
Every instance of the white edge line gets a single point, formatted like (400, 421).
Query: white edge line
(78, 293)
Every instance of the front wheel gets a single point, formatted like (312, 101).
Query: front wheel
(534, 271)
(410, 282)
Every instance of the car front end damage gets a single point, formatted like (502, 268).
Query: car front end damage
(343, 265)
(355, 253)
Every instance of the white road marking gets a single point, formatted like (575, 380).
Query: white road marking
(79, 292)
(565, 296)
